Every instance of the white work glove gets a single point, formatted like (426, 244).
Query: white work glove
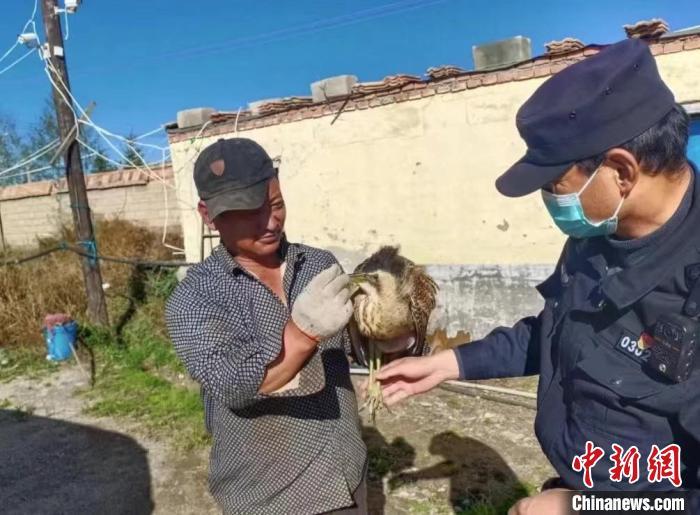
(323, 308)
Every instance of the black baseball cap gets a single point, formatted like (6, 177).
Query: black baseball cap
(232, 174)
(589, 107)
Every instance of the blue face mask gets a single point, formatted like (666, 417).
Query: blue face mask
(568, 214)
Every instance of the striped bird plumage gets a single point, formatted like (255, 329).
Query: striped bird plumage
(395, 299)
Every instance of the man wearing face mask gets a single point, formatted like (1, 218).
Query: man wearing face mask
(607, 151)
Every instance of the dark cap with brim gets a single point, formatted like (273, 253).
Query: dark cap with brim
(523, 177)
(233, 175)
(584, 110)
(251, 197)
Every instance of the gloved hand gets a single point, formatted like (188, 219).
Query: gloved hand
(323, 308)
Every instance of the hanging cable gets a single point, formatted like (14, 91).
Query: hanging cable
(29, 22)
(17, 61)
(32, 157)
(150, 133)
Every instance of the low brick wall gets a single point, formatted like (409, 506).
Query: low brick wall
(35, 210)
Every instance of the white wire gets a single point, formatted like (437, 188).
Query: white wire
(27, 173)
(9, 51)
(17, 61)
(150, 133)
(100, 131)
(235, 125)
(96, 153)
(58, 90)
(32, 157)
(146, 170)
(65, 14)
(30, 21)
(121, 138)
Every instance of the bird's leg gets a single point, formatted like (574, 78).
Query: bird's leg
(374, 389)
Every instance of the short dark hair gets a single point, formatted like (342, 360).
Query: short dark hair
(662, 147)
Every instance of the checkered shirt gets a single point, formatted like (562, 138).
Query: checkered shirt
(294, 452)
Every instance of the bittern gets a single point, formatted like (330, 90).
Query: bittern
(393, 302)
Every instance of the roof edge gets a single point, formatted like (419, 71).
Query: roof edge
(539, 66)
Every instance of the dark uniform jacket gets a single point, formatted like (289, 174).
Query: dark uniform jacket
(595, 383)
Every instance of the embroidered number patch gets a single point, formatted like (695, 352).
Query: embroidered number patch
(635, 347)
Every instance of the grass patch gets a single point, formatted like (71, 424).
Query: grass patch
(134, 371)
(24, 362)
(54, 284)
(137, 371)
(496, 503)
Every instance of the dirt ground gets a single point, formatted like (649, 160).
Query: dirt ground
(439, 453)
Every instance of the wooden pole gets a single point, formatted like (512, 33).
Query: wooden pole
(55, 52)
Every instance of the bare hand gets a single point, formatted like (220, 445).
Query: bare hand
(556, 501)
(410, 376)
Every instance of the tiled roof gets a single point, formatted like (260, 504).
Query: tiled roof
(646, 29)
(94, 181)
(445, 71)
(440, 80)
(564, 46)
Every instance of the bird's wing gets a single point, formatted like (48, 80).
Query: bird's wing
(358, 343)
(422, 302)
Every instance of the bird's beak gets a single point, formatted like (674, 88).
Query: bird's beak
(357, 279)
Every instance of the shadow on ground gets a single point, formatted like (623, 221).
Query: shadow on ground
(52, 466)
(480, 481)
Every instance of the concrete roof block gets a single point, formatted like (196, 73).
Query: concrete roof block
(194, 117)
(332, 88)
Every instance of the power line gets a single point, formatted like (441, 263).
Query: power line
(17, 61)
(75, 180)
(32, 157)
(88, 121)
(280, 34)
(30, 21)
(27, 173)
(150, 133)
(65, 246)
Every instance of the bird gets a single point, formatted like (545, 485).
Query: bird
(392, 300)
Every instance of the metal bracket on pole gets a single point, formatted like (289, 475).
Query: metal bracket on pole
(71, 135)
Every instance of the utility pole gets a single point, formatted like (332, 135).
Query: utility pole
(55, 52)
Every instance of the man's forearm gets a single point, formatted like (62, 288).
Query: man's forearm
(296, 350)
(505, 352)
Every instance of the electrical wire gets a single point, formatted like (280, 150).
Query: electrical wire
(29, 22)
(65, 15)
(32, 157)
(27, 173)
(65, 246)
(17, 61)
(150, 133)
(352, 18)
(42, 169)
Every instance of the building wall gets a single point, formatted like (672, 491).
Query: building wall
(421, 174)
(38, 211)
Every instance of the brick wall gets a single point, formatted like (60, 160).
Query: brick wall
(37, 209)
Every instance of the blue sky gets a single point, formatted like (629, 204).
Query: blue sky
(143, 60)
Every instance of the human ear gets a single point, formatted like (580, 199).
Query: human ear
(204, 213)
(626, 167)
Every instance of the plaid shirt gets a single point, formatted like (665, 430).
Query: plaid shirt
(297, 451)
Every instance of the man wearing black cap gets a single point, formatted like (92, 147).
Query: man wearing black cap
(607, 151)
(260, 325)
